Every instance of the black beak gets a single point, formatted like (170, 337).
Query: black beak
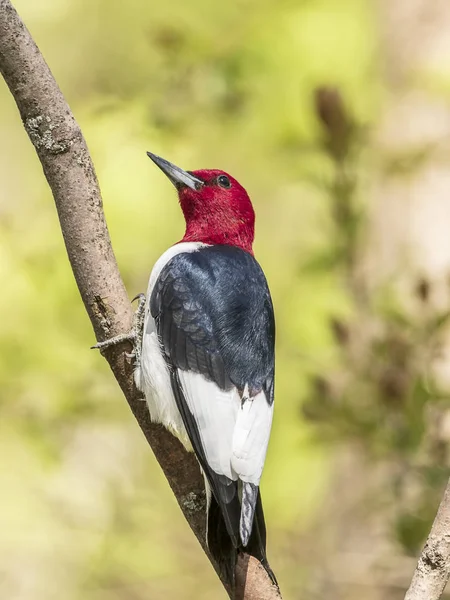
(177, 176)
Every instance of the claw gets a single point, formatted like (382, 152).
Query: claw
(134, 336)
(140, 296)
(118, 339)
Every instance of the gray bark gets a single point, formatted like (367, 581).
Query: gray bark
(433, 569)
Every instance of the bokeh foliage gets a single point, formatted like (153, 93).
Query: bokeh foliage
(85, 510)
(382, 392)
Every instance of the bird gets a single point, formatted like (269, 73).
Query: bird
(205, 356)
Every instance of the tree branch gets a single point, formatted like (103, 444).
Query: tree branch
(70, 173)
(433, 569)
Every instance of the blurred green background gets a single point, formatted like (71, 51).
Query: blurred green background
(335, 116)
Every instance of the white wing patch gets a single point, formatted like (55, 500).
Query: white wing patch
(234, 434)
(251, 438)
(215, 413)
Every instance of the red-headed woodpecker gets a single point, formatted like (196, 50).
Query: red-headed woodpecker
(205, 356)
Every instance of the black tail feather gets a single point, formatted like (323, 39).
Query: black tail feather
(220, 543)
(221, 546)
(257, 543)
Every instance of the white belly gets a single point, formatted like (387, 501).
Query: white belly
(152, 374)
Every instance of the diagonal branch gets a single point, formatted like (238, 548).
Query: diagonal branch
(70, 173)
(433, 569)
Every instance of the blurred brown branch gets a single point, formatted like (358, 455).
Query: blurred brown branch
(70, 173)
(433, 569)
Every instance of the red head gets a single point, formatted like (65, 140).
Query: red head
(216, 207)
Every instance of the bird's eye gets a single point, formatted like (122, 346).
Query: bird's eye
(223, 181)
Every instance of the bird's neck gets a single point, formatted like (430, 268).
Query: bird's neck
(230, 234)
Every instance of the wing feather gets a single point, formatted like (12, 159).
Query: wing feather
(215, 413)
(251, 438)
(224, 487)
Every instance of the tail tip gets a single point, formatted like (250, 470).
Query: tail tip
(249, 498)
(244, 532)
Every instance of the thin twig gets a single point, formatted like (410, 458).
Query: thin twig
(433, 569)
(70, 173)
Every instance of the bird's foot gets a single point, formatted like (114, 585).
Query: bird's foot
(134, 335)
